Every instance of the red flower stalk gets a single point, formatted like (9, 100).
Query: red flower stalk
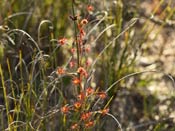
(82, 33)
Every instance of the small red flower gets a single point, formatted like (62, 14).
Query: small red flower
(89, 91)
(74, 126)
(65, 109)
(86, 116)
(71, 64)
(87, 49)
(62, 41)
(102, 94)
(76, 81)
(72, 50)
(88, 61)
(89, 124)
(90, 8)
(60, 71)
(77, 105)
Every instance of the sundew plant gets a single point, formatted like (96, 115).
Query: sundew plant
(65, 69)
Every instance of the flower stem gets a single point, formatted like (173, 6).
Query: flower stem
(77, 45)
(76, 42)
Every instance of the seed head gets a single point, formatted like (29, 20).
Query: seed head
(83, 22)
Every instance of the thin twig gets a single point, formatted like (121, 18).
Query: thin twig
(148, 123)
(141, 72)
(119, 125)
